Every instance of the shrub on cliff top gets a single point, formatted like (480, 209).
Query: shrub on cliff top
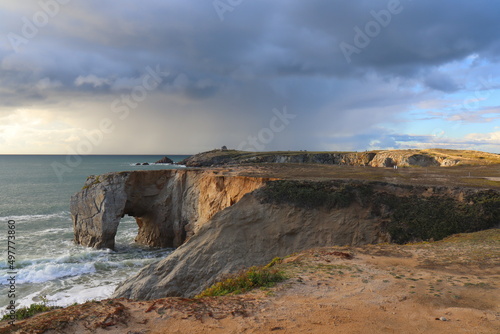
(310, 195)
(406, 218)
(415, 218)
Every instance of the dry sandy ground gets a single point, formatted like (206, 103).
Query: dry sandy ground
(460, 176)
(376, 289)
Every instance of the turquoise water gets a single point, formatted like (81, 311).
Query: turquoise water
(35, 193)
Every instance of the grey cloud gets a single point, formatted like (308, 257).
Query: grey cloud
(265, 54)
(285, 38)
(441, 82)
(92, 80)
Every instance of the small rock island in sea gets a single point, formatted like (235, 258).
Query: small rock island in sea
(165, 160)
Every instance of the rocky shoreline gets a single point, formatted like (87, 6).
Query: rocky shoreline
(389, 158)
(223, 220)
(445, 287)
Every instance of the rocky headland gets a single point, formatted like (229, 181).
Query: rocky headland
(389, 158)
(250, 210)
(222, 220)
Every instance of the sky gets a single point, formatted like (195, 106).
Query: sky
(182, 77)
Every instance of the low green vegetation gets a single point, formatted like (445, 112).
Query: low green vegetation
(255, 277)
(407, 217)
(309, 194)
(436, 217)
(26, 312)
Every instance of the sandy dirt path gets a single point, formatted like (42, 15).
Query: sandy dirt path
(370, 289)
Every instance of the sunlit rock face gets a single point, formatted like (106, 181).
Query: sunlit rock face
(168, 205)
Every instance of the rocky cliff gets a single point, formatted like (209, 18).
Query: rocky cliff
(288, 216)
(387, 158)
(224, 221)
(168, 205)
(249, 233)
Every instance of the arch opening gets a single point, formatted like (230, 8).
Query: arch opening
(126, 233)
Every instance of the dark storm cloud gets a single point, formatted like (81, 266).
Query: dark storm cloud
(281, 38)
(262, 55)
(441, 82)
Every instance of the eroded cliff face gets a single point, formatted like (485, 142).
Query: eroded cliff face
(401, 158)
(250, 233)
(102, 199)
(168, 205)
(222, 221)
(288, 216)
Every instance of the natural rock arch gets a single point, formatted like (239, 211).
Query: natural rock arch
(168, 205)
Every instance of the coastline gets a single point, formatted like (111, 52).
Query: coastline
(401, 288)
(419, 182)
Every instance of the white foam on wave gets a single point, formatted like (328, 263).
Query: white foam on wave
(77, 294)
(67, 256)
(24, 218)
(51, 231)
(128, 234)
(81, 294)
(86, 255)
(44, 272)
(28, 300)
(129, 263)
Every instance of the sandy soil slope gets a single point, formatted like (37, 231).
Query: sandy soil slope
(450, 286)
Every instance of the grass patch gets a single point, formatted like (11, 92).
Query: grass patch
(479, 285)
(275, 261)
(26, 312)
(408, 218)
(255, 277)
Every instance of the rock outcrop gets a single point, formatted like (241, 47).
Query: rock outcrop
(284, 217)
(165, 160)
(168, 205)
(401, 158)
(245, 234)
(390, 159)
(222, 220)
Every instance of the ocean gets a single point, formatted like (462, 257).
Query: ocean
(34, 208)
